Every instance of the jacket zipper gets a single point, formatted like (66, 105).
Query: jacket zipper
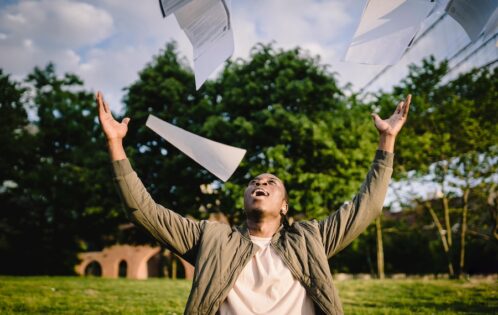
(229, 279)
(296, 275)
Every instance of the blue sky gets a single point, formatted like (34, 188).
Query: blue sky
(107, 42)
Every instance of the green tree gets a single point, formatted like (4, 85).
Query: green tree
(453, 128)
(166, 89)
(15, 141)
(284, 107)
(64, 201)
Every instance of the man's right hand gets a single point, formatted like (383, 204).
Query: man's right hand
(114, 131)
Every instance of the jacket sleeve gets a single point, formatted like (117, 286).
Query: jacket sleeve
(344, 225)
(176, 232)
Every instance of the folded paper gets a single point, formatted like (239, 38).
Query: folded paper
(218, 158)
(208, 28)
(386, 29)
(474, 15)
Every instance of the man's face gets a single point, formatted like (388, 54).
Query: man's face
(265, 194)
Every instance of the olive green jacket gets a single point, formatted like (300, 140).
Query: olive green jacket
(220, 252)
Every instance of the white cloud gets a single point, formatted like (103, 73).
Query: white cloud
(293, 23)
(35, 33)
(107, 42)
(55, 24)
(323, 28)
(110, 71)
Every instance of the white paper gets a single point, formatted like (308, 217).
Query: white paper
(492, 25)
(472, 15)
(386, 29)
(170, 6)
(207, 25)
(440, 7)
(218, 158)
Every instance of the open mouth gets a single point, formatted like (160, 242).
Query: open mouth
(259, 192)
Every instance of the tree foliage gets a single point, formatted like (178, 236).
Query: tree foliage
(283, 107)
(452, 137)
(63, 200)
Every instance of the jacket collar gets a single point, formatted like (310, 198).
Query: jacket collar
(244, 230)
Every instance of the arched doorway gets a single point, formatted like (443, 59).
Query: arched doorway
(93, 269)
(155, 266)
(123, 269)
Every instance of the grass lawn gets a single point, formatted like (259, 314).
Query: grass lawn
(72, 295)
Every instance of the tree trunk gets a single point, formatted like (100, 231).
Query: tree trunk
(174, 267)
(463, 230)
(380, 249)
(493, 207)
(446, 207)
(447, 222)
(444, 241)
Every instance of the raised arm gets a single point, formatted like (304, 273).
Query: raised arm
(176, 232)
(345, 224)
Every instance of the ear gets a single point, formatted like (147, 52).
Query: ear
(284, 208)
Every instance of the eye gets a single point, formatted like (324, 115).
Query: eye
(273, 182)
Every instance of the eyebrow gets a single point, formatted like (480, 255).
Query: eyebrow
(271, 177)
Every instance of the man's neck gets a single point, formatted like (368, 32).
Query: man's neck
(263, 227)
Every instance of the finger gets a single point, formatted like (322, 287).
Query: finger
(100, 104)
(107, 108)
(375, 117)
(126, 121)
(406, 108)
(97, 96)
(399, 108)
(103, 103)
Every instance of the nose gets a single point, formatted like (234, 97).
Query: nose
(261, 182)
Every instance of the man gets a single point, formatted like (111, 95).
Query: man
(265, 266)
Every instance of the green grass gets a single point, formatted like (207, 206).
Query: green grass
(418, 297)
(71, 295)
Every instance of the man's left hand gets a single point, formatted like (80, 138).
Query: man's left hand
(392, 125)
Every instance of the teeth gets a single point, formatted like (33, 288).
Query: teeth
(260, 192)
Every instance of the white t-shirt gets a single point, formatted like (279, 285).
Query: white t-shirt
(266, 286)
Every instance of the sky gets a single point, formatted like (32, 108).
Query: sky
(107, 42)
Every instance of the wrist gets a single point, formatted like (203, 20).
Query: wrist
(386, 142)
(116, 149)
(114, 141)
(385, 135)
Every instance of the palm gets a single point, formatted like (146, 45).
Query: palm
(393, 124)
(112, 128)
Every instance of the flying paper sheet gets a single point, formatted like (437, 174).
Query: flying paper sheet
(386, 29)
(220, 159)
(492, 25)
(472, 15)
(170, 6)
(207, 25)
